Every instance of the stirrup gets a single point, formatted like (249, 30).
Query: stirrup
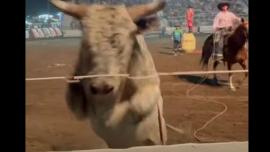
(218, 57)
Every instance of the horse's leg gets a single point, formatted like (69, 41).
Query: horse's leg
(230, 77)
(244, 66)
(215, 75)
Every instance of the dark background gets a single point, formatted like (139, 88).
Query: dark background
(34, 7)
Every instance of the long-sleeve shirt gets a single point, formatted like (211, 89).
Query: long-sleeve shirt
(189, 17)
(224, 19)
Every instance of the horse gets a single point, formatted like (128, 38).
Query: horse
(235, 51)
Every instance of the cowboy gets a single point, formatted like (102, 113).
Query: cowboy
(189, 18)
(223, 24)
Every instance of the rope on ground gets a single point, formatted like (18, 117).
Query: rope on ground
(211, 120)
(180, 131)
(208, 100)
(176, 129)
(74, 78)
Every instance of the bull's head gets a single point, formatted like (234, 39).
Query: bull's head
(109, 38)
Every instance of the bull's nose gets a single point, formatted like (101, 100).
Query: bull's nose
(101, 89)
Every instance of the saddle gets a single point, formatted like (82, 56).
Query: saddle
(220, 57)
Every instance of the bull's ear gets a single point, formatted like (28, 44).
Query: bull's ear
(76, 100)
(71, 9)
(139, 11)
(147, 23)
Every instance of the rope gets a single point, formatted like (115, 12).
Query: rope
(136, 77)
(211, 120)
(211, 100)
(160, 126)
(181, 132)
(175, 129)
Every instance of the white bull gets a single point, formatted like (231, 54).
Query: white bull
(124, 112)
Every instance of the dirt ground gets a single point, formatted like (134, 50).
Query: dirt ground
(51, 126)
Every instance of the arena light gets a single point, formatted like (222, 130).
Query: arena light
(28, 23)
(46, 16)
(59, 14)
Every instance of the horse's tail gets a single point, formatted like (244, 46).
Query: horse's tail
(207, 50)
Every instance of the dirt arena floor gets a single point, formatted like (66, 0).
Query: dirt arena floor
(51, 126)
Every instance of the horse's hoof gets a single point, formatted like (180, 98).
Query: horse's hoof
(233, 89)
(215, 82)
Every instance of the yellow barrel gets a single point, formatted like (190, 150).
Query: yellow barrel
(188, 42)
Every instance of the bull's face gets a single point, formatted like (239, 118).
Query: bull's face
(108, 39)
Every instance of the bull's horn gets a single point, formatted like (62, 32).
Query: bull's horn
(74, 10)
(139, 11)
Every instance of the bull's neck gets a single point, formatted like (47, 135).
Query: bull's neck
(141, 62)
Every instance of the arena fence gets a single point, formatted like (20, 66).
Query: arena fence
(205, 29)
(190, 147)
(137, 77)
(45, 33)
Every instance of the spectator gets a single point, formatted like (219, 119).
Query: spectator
(189, 18)
(177, 37)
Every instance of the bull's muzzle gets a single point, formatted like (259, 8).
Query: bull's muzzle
(101, 89)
